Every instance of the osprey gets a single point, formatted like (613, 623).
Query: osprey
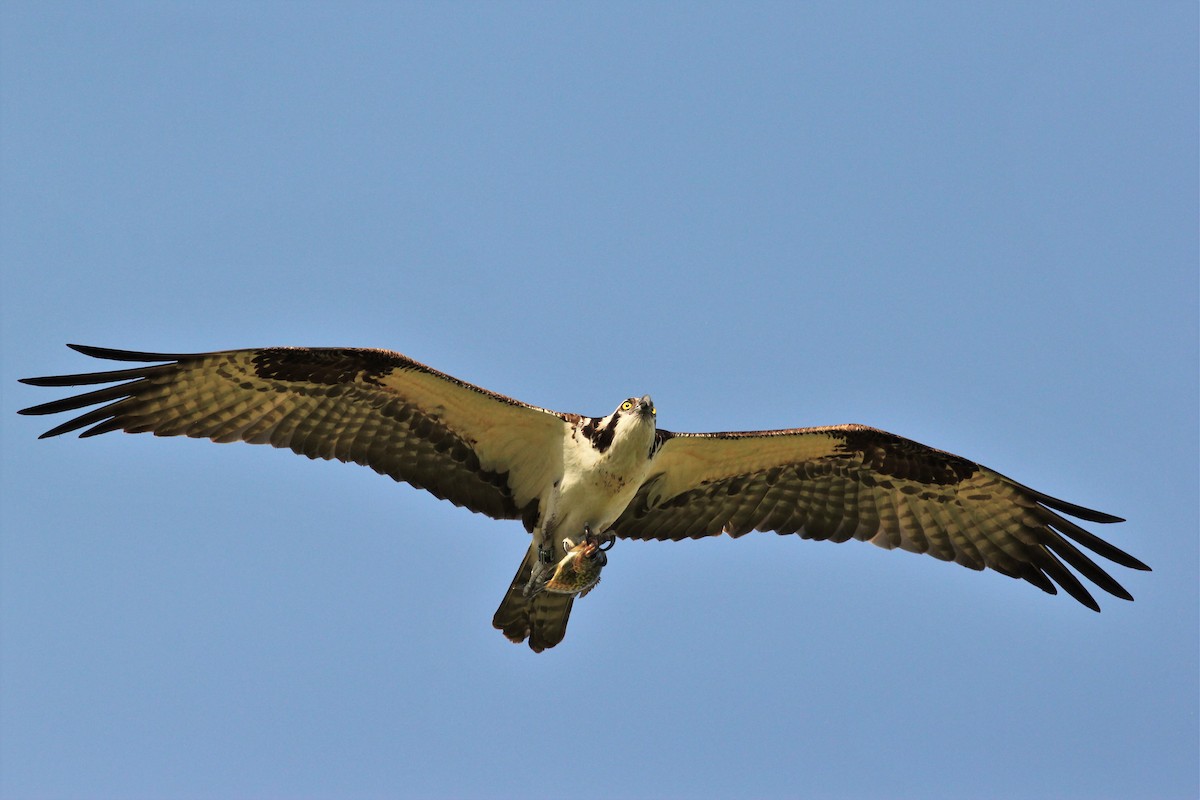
(578, 482)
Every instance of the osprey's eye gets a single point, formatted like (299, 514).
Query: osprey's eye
(628, 404)
(654, 411)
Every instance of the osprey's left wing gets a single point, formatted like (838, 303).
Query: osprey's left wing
(462, 443)
(854, 482)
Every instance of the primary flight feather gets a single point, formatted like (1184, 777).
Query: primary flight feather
(576, 482)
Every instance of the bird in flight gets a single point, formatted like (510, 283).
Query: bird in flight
(577, 483)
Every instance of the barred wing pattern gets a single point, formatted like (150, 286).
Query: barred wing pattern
(854, 482)
(475, 448)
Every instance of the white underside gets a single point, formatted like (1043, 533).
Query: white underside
(595, 487)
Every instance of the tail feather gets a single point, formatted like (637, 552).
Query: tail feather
(542, 619)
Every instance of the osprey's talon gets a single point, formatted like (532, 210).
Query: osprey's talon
(567, 543)
(537, 578)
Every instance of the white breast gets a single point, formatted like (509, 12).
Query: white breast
(596, 486)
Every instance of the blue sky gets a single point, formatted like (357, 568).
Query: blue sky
(971, 225)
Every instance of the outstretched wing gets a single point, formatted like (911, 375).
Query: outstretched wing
(475, 448)
(855, 482)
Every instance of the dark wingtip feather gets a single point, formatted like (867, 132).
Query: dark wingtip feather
(1085, 597)
(1080, 512)
(1093, 542)
(96, 415)
(1062, 506)
(83, 379)
(46, 380)
(1066, 579)
(113, 354)
(104, 427)
(1088, 568)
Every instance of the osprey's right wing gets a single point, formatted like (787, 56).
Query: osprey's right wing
(854, 482)
(475, 448)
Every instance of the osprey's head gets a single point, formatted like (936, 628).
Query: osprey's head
(631, 424)
(641, 408)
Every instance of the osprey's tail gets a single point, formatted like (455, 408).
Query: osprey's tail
(542, 618)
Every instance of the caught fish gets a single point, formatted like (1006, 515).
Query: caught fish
(579, 570)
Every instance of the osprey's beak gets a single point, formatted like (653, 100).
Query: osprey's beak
(645, 406)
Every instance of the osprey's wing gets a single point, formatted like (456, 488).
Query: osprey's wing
(462, 443)
(855, 482)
